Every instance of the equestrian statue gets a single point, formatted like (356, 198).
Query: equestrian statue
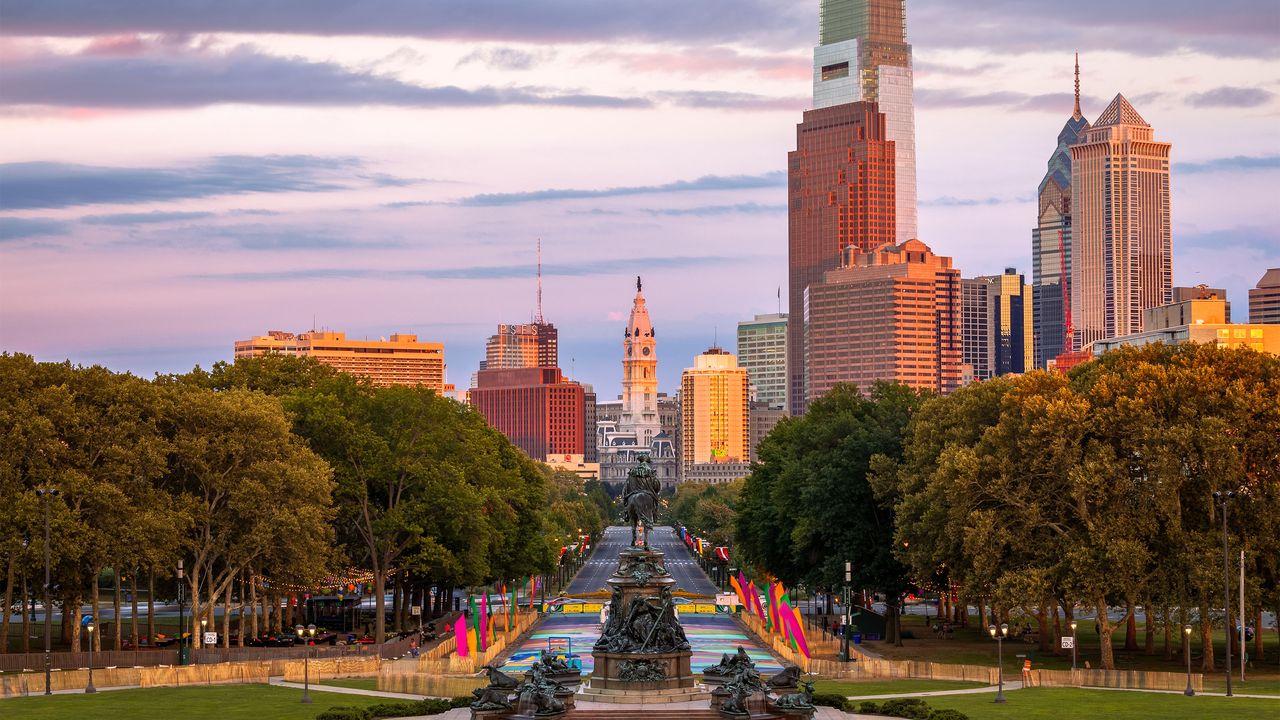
(640, 501)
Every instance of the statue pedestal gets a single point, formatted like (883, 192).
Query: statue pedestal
(642, 655)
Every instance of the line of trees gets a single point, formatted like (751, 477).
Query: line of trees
(1040, 494)
(265, 476)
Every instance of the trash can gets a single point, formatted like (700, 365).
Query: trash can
(184, 654)
(857, 638)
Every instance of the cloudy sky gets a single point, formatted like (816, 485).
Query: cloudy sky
(179, 174)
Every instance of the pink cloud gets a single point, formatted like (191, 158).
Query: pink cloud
(710, 61)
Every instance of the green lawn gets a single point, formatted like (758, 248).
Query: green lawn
(1217, 683)
(887, 687)
(210, 702)
(363, 683)
(1071, 704)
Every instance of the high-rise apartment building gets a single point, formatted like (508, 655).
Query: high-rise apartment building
(401, 360)
(863, 55)
(522, 346)
(762, 350)
(996, 312)
(892, 313)
(1264, 300)
(538, 409)
(713, 410)
(841, 195)
(1051, 242)
(1121, 241)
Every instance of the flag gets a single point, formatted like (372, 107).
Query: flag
(784, 612)
(795, 628)
(484, 620)
(737, 588)
(773, 606)
(754, 596)
(460, 633)
(473, 624)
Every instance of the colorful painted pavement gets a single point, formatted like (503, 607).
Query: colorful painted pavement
(710, 635)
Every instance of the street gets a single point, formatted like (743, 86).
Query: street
(604, 560)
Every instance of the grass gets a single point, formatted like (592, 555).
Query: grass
(1252, 686)
(361, 683)
(216, 702)
(1072, 704)
(888, 687)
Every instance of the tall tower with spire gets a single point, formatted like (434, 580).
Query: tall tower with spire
(863, 55)
(1121, 240)
(640, 374)
(1051, 241)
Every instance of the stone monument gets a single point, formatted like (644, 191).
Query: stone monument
(642, 654)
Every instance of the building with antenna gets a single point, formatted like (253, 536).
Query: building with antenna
(1051, 242)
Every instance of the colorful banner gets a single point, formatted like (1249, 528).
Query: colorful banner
(754, 596)
(796, 628)
(737, 587)
(460, 631)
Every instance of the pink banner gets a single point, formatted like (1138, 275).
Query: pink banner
(795, 628)
(460, 632)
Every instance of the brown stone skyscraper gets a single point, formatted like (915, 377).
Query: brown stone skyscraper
(1121, 242)
(841, 194)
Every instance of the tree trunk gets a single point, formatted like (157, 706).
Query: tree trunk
(1105, 656)
(69, 611)
(1042, 620)
(151, 606)
(226, 618)
(1131, 626)
(253, 605)
(116, 603)
(1150, 629)
(8, 605)
(96, 638)
(379, 606)
(1057, 629)
(28, 604)
(133, 609)
(1257, 634)
(1168, 633)
(1206, 640)
(195, 611)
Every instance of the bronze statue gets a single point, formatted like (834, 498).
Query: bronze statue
(640, 500)
(788, 678)
(802, 700)
(646, 625)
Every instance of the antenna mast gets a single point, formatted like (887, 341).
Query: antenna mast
(538, 318)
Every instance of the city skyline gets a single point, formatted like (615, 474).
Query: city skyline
(156, 224)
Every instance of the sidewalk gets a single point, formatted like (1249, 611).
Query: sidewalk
(279, 682)
(1008, 687)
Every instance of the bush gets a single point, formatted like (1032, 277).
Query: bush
(343, 712)
(830, 700)
(869, 707)
(461, 701)
(948, 714)
(913, 708)
(430, 706)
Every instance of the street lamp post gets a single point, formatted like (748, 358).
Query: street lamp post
(1074, 642)
(848, 615)
(999, 634)
(1222, 499)
(89, 688)
(1186, 650)
(44, 494)
(204, 622)
(306, 633)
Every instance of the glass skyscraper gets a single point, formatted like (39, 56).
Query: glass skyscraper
(862, 54)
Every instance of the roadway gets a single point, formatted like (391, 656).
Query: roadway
(604, 560)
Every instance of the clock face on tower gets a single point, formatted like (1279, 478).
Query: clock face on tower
(645, 351)
(628, 351)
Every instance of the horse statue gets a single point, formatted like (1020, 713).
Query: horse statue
(640, 500)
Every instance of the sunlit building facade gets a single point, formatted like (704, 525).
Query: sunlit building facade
(1264, 300)
(996, 326)
(527, 345)
(713, 410)
(538, 409)
(1122, 242)
(399, 360)
(762, 350)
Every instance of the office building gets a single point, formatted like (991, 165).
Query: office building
(1202, 292)
(1198, 321)
(1121, 241)
(538, 409)
(762, 351)
(889, 314)
(863, 55)
(1051, 242)
(400, 360)
(522, 346)
(841, 195)
(1264, 300)
(591, 454)
(713, 410)
(996, 322)
(763, 420)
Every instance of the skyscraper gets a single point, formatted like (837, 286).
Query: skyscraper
(841, 194)
(1264, 300)
(1051, 241)
(762, 350)
(862, 54)
(713, 412)
(538, 409)
(522, 346)
(996, 327)
(889, 314)
(1121, 242)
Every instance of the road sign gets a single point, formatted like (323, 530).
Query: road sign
(211, 638)
(416, 610)
(1068, 643)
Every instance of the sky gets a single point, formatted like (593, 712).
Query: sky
(179, 174)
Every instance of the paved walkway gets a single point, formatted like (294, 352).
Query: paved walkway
(1009, 686)
(279, 682)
